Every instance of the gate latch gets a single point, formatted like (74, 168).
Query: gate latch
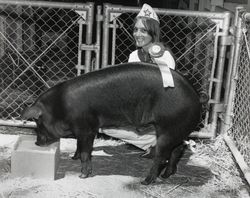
(227, 40)
(219, 108)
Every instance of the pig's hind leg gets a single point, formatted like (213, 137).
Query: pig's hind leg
(171, 166)
(163, 152)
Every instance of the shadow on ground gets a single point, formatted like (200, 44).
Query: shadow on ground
(128, 162)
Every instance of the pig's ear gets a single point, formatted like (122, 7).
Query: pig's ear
(31, 112)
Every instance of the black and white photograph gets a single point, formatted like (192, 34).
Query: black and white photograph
(124, 99)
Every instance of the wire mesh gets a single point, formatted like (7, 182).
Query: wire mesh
(38, 49)
(239, 132)
(40, 46)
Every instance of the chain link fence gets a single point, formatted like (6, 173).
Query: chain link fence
(39, 47)
(193, 37)
(241, 120)
(238, 126)
(44, 43)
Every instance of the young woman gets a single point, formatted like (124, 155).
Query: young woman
(149, 49)
(147, 39)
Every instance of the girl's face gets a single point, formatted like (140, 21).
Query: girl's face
(141, 36)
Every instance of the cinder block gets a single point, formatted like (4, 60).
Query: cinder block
(30, 160)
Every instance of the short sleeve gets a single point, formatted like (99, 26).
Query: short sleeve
(133, 57)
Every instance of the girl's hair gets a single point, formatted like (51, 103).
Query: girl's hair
(152, 26)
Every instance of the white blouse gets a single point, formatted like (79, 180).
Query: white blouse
(164, 62)
(165, 59)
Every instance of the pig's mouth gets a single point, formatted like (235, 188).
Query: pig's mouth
(45, 141)
(45, 144)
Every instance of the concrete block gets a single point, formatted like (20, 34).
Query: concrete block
(30, 160)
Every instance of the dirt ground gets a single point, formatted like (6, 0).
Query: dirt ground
(118, 170)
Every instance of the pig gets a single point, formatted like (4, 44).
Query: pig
(129, 94)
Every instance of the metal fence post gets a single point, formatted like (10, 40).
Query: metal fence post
(237, 118)
(219, 73)
(233, 70)
(89, 37)
(105, 37)
(99, 19)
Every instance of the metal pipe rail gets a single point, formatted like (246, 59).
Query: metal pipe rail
(47, 4)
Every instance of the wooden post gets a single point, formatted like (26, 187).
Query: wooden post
(193, 4)
(215, 3)
(204, 5)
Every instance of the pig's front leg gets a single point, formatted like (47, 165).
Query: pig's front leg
(86, 163)
(85, 144)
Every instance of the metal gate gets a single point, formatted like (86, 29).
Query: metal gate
(237, 118)
(199, 41)
(41, 44)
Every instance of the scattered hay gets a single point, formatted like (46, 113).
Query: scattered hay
(226, 175)
(208, 170)
(224, 181)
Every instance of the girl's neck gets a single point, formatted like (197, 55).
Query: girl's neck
(146, 47)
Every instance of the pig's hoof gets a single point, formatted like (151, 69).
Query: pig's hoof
(144, 182)
(148, 180)
(75, 157)
(163, 178)
(168, 172)
(83, 176)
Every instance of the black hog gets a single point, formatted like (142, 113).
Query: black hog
(130, 94)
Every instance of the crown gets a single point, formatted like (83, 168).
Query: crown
(147, 11)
